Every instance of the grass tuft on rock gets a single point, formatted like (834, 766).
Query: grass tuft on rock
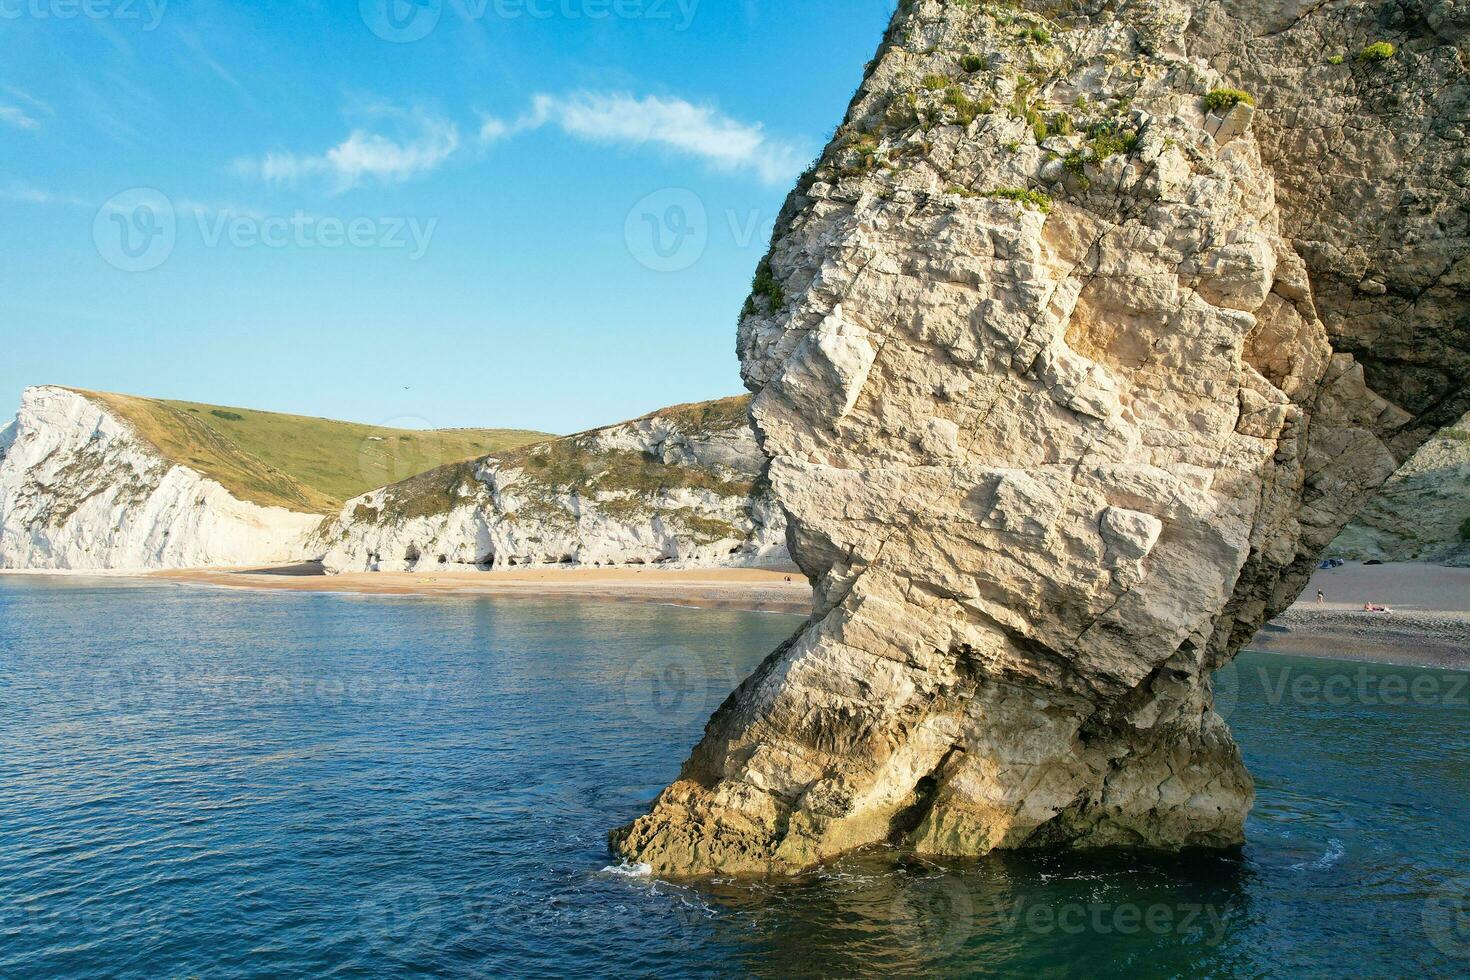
(765, 287)
(966, 109)
(1024, 197)
(1221, 99)
(1377, 51)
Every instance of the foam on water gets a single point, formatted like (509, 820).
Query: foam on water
(1334, 853)
(626, 870)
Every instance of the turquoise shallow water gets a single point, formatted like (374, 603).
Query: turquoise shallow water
(221, 784)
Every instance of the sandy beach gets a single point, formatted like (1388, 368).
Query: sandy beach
(1429, 625)
(756, 589)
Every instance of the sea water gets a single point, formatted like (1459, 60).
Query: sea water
(199, 782)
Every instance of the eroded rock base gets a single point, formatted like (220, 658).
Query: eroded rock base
(941, 759)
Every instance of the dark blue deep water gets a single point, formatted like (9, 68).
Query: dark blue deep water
(224, 784)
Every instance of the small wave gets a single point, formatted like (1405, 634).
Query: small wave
(626, 870)
(1334, 853)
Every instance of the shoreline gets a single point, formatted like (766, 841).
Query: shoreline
(1429, 626)
(748, 589)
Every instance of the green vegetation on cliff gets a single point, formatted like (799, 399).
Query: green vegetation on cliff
(577, 464)
(1377, 51)
(303, 464)
(573, 463)
(1227, 98)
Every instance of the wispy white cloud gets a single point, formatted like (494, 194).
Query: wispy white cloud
(33, 105)
(424, 143)
(17, 117)
(492, 130)
(22, 110)
(114, 107)
(401, 145)
(202, 54)
(21, 192)
(698, 131)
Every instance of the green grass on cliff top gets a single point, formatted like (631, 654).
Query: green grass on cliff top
(303, 464)
(569, 464)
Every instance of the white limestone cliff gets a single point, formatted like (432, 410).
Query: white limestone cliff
(81, 490)
(678, 488)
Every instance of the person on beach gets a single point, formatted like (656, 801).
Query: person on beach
(1321, 598)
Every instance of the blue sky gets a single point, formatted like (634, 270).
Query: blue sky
(534, 213)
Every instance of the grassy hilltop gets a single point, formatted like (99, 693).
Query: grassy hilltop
(574, 464)
(303, 464)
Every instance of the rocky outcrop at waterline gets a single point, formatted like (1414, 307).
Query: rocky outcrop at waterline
(680, 487)
(1087, 334)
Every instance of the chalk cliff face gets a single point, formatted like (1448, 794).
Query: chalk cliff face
(1060, 356)
(681, 487)
(80, 490)
(1423, 513)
